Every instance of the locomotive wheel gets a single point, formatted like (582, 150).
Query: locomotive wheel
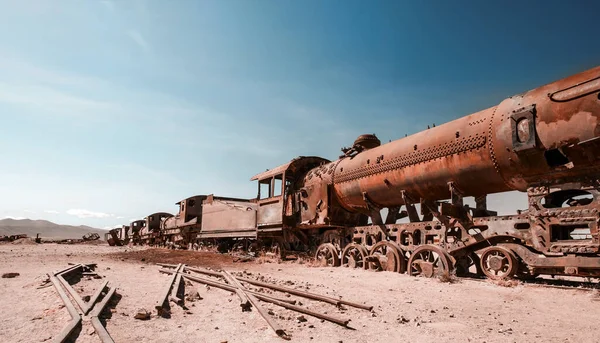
(327, 255)
(428, 261)
(386, 256)
(354, 256)
(404, 256)
(498, 263)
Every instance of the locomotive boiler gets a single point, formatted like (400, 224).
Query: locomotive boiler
(541, 136)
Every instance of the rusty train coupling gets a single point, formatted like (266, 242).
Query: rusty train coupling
(401, 206)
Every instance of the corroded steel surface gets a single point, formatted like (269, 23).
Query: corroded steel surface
(478, 152)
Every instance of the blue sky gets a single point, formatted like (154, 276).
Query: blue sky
(112, 110)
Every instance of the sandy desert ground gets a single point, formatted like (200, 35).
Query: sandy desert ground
(406, 309)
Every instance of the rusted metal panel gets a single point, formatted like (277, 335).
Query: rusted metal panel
(313, 196)
(222, 215)
(228, 233)
(567, 113)
(270, 212)
(421, 165)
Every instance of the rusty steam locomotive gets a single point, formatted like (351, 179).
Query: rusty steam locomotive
(545, 142)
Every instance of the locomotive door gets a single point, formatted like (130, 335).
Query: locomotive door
(270, 203)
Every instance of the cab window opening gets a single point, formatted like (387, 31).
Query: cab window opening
(277, 185)
(264, 188)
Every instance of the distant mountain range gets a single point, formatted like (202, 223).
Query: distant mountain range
(45, 228)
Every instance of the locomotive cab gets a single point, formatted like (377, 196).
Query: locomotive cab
(278, 193)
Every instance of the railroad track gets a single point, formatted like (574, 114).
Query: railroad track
(78, 308)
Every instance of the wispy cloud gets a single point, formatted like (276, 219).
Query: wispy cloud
(120, 217)
(82, 213)
(49, 99)
(28, 211)
(51, 211)
(137, 37)
(17, 70)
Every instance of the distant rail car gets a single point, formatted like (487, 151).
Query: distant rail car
(545, 142)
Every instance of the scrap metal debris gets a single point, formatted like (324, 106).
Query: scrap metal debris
(10, 275)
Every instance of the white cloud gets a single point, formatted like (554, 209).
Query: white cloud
(132, 220)
(28, 211)
(81, 213)
(137, 37)
(120, 217)
(15, 218)
(51, 211)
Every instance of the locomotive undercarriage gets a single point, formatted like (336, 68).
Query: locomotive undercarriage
(557, 235)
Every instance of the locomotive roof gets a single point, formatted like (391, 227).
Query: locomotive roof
(206, 196)
(293, 164)
(159, 213)
(192, 197)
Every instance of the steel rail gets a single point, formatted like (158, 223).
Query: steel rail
(75, 317)
(342, 322)
(160, 303)
(304, 294)
(245, 302)
(70, 289)
(94, 298)
(278, 330)
(230, 288)
(94, 318)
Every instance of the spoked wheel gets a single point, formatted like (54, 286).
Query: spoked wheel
(327, 255)
(354, 256)
(429, 261)
(386, 256)
(498, 263)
